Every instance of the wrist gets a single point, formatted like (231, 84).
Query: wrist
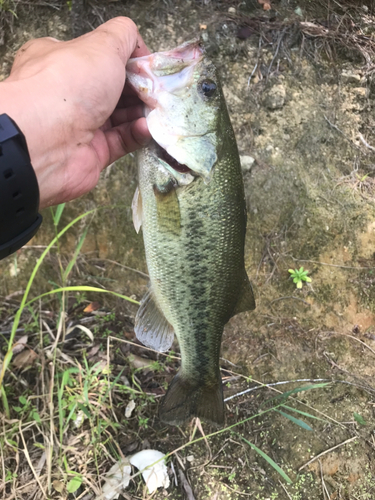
(19, 104)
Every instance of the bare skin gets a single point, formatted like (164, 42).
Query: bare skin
(71, 102)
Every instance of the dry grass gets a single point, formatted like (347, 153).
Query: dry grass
(67, 422)
(341, 30)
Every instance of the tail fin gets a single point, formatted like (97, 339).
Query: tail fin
(185, 400)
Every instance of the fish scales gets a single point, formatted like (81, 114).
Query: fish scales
(194, 237)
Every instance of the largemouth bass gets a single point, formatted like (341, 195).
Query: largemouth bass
(192, 209)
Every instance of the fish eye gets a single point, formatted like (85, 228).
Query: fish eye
(208, 87)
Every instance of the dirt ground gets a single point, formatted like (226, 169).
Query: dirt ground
(299, 82)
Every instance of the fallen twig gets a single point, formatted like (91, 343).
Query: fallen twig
(324, 487)
(342, 133)
(351, 337)
(365, 143)
(327, 451)
(289, 297)
(274, 384)
(26, 452)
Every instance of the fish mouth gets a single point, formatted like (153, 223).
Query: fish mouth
(172, 162)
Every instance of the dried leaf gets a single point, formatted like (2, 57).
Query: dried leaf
(40, 464)
(84, 329)
(155, 476)
(93, 306)
(58, 486)
(20, 344)
(313, 29)
(118, 478)
(138, 362)
(94, 350)
(266, 4)
(103, 367)
(25, 359)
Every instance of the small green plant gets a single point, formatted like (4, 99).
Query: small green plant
(363, 178)
(27, 408)
(299, 275)
(143, 422)
(10, 476)
(359, 419)
(232, 476)
(8, 6)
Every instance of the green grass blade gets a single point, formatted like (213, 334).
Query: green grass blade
(309, 387)
(57, 215)
(303, 413)
(82, 288)
(84, 410)
(17, 317)
(60, 393)
(295, 420)
(280, 398)
(5, 402)
(75, 256)
(69, 416)
(268, 459)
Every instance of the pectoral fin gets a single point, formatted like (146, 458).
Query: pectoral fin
(151, 326)
(246, 299)
(137, 210)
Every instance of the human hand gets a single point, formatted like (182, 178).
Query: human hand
(71, 102)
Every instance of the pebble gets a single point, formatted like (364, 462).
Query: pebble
(246, 163)
(360, 91)
(275, 97)
(232, 10)
(350, 77)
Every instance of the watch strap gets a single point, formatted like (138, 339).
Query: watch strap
(19, 190)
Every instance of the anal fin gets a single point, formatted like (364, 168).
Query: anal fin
(151, 326)
(246, 299)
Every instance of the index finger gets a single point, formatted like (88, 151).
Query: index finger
(141, 48)
(124, 33)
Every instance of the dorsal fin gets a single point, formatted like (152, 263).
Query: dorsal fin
(151, 326)
(246, 299)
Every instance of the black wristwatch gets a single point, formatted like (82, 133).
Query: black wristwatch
(19, 190)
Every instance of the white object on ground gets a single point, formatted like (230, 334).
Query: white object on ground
(156, 475)
(118, 478)
(129, 408)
